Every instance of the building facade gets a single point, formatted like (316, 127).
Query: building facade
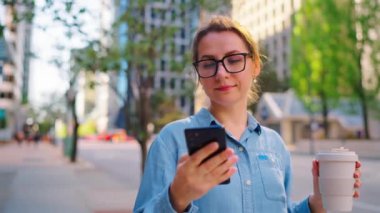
(173, 82)
(99, 103)
(182, 17)
(14, 70)
(270, 24)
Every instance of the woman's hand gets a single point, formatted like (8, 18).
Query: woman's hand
(357, 176)
(315, 200)
(194, 178)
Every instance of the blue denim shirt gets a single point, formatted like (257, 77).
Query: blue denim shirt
(262, 183)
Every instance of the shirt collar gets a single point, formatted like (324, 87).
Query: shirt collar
(205, 117)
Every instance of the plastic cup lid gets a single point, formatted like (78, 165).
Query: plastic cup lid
(337, 154)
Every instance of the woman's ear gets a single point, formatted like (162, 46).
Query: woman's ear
(256, 71)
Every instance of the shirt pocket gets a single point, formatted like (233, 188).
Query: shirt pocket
(271, 177)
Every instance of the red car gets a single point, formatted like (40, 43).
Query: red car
(117, 135)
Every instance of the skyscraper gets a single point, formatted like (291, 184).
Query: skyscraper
(269, 21)
(14, 69)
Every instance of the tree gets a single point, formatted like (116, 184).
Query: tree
(367, 19)
(147, 44)
(165, 110)
(26, 14)
(328, 48)
(68, 14)
(322, 55)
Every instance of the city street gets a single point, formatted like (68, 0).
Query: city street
(122, 161)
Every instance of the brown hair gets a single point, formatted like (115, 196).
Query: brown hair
(221, 24)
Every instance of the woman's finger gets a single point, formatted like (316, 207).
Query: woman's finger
(216, 161)
(315, 168)
(357, 174)
(183, 158)
(357, 184)
(200, 155)
(223, 168)
(231, 171)
(356, 194)
(358, 164)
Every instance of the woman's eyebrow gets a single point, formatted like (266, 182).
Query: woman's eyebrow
(228, 53)
(207, 57)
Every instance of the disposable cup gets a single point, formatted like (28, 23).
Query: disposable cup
(336, 180)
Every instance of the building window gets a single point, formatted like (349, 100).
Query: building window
(6, 95)
(182, 83)
(183, 49)
(183, 33)
(1, 69)
(284, 40)
(8, 78)
(172, 83)
(3, 119)
(174, 15)
(275, 44)
(183, 101)
(285, 72)
(153, 14)
(284, 57)
(163, 65)
(162, 83)
(10, 95)
(275, 61)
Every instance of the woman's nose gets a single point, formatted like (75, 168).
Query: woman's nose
(221, 70)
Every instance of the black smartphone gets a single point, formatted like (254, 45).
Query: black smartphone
(197, 138)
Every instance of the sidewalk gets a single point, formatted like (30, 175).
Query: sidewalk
(364, 149)
(38, 179)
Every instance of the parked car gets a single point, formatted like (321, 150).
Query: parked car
(115, 135)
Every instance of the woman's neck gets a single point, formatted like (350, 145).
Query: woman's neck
(233, 118)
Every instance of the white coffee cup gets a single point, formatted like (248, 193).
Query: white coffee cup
(336, 181)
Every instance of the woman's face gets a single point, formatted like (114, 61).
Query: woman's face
(226, 89)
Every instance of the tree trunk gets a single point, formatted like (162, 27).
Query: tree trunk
(362, 96)
(144, 151)
(364, 108)
(73, 156)
(325, 114)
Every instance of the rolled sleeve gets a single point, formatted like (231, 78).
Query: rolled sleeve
(167, 205)
(303, 206)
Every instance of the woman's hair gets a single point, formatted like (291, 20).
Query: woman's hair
(222, 24)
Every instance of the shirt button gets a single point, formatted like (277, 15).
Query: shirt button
(248, 182)
(241, 149)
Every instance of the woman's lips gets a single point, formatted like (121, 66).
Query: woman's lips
(224, 88)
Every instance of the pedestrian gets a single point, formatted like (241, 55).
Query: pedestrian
(19, 137)
(227, 62)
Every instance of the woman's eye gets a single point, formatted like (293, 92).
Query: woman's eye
(208, 64)
(234, 60)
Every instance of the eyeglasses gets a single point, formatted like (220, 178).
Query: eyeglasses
(234, 63)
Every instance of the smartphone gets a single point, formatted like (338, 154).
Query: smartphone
(197, 138)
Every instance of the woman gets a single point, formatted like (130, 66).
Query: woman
(227, 62)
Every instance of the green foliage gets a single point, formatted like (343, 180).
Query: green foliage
(165, 110)
(2, 28)
(45, 126)
(268, 78)
(3, 119)
(323, 58)
(27, 14)
(368, 18)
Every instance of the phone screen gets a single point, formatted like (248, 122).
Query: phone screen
(197, 138)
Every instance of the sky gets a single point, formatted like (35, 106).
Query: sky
(45, 78)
